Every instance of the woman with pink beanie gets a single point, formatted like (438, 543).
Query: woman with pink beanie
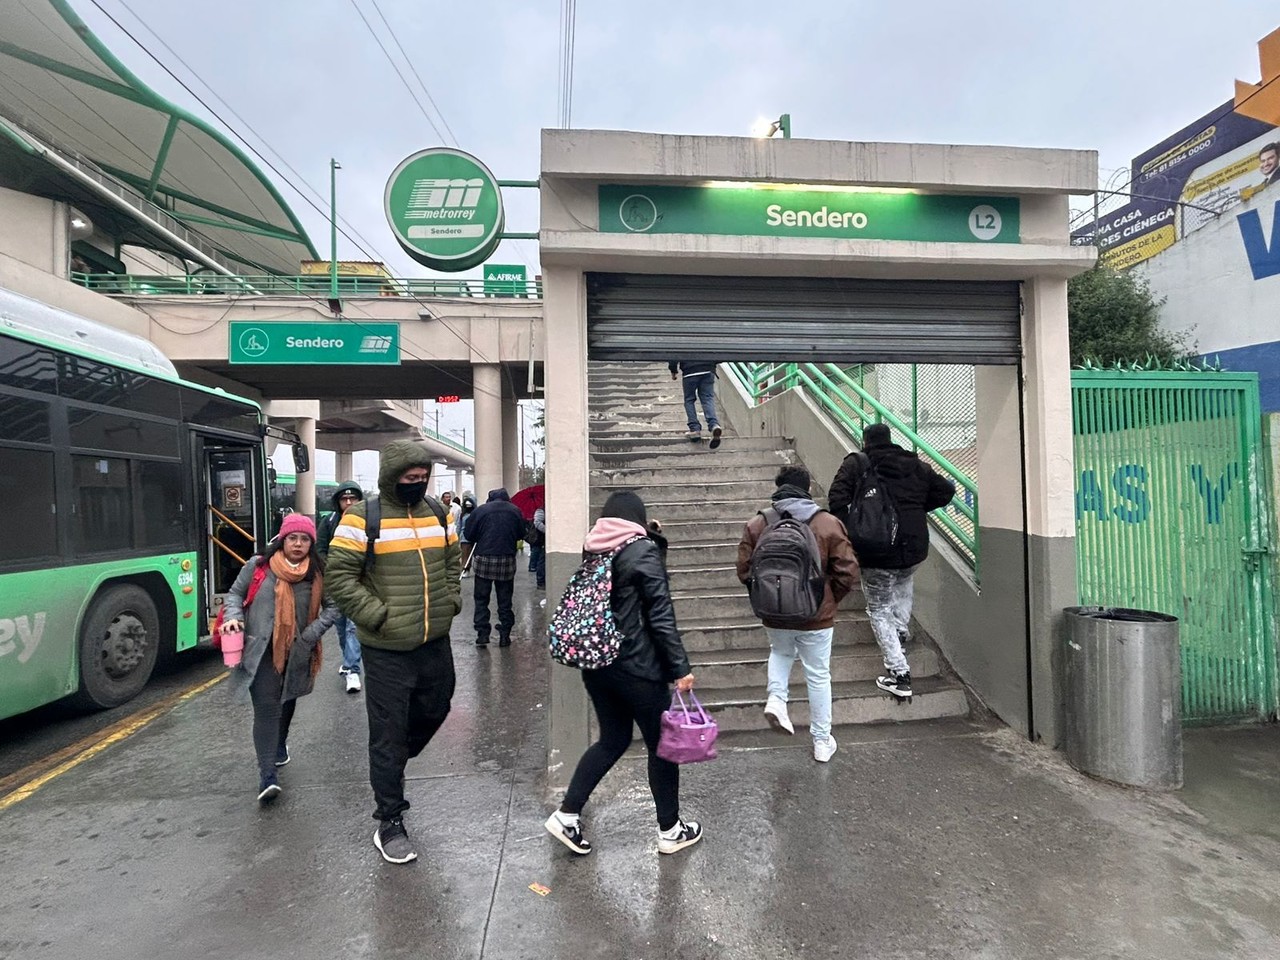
(278, 601)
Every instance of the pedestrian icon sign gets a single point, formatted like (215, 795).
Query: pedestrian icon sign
(254, 342)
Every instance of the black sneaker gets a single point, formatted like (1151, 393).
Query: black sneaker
(268, 790)
(570, 834)
(282, 755)
(504, 641)
(683, 834)
(898, 684)
(715, 438)
(482, 641)
(392, 841)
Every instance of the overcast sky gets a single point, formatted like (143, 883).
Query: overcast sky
(309, 77)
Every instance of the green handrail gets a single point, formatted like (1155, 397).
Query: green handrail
(852, 407)
(129, 284)
(448, 442)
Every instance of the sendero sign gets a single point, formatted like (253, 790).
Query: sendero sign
(314, 343)
(445, 208)
(828, 214)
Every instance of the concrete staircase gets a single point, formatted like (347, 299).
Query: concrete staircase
(703, 498)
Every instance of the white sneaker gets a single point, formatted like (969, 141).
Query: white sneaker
(824, 750)
(775, 711)
(684, 834)
(353, 683)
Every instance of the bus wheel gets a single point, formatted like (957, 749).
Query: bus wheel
(119, 643)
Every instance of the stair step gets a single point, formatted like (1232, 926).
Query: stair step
(658, 492)
(742, 708)
(695, 456)
(718, 670)
(665, 443)
(677, 511)
(742, 632)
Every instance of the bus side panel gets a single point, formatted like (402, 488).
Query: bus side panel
(40, 616)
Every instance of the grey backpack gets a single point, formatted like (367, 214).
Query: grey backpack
(786, 582)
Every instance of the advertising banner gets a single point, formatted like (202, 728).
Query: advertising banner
(1182, 183)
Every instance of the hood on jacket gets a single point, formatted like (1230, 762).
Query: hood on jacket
(348, 486)
(499, 494)
(397, 457)
(802, 508)
(609, 533)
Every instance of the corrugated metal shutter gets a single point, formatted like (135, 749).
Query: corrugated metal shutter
(653, 317)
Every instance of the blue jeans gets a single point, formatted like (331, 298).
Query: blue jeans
(813, 647)
(700, 388)
(350, 645)
(538, 563)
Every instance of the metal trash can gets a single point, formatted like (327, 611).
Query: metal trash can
(1124, 696)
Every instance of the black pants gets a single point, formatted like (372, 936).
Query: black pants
(506, 615)
(406, 695)
(621, 700)
(271, 716)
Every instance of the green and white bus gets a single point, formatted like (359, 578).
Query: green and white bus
(130, 497)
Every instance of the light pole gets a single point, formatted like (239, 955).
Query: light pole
(764, 129)
(334, 167)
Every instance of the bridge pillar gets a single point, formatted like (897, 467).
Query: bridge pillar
(305, 492)
(343, 467)
(511, 444)
(486, 379)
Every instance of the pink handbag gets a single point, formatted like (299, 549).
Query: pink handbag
(688, 736)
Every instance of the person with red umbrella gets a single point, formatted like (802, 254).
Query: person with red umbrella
(532, 504)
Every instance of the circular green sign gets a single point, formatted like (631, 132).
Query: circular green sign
(445, 208)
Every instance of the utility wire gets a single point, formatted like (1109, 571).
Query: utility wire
(399, 73)
(409, 61)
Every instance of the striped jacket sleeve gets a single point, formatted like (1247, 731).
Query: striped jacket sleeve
(342, 573)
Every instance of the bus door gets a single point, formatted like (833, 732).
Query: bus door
(233, 497)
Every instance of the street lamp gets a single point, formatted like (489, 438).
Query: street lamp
(764, 129)
(334, 167)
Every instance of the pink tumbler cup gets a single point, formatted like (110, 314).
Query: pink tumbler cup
(232, 647)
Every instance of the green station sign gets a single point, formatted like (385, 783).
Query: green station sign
(827, 214)
(445, 209)
(505, 279)
(286, 342)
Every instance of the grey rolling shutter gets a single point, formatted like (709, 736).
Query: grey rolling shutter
(654, 317)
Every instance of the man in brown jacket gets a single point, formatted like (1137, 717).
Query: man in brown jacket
(810, 642)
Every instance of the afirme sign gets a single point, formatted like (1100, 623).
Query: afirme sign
(310, 343)
(828, 214)
(445, 209)
(505, 279)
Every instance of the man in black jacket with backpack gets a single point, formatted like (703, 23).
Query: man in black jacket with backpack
(888, 567)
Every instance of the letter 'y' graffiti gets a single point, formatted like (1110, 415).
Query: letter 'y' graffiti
(1214, 494)
(1264, 258)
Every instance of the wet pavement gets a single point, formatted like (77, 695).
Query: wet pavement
(953, 839)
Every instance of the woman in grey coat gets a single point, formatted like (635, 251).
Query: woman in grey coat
(282, 627)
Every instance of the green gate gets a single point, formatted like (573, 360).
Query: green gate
(1173, 514)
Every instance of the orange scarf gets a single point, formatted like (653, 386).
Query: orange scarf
(286, 612)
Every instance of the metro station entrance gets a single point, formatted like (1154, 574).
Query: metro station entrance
(812, 257)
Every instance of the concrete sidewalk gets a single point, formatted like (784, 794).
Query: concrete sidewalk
(949, 840)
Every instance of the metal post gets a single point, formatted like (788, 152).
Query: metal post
(784, 124)
(334, 167)
(915, 406)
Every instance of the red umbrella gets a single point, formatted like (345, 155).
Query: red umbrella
(530, 499)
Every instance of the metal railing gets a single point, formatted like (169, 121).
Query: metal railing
(851, 407)
(441, 438)
(314, 285)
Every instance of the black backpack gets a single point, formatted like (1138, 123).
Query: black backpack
(373, 525)
(872, 519)
(532, 535)
(786, 584)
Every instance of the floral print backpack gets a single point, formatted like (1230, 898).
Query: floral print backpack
(582, 632)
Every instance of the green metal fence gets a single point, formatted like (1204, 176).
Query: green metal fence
(843, 393)
(1173, 513)
(138, 285)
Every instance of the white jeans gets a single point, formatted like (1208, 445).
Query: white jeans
(813, 647)
(889, 596)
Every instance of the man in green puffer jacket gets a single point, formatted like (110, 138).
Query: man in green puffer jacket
(402, 607)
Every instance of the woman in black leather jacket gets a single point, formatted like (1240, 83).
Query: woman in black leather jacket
(633, 689)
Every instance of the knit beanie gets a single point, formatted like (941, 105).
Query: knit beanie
(297, 523)
(876, 435)
(625, 505)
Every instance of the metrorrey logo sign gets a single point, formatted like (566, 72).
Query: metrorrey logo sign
(826, 214)
(445, 208)
(296, 343)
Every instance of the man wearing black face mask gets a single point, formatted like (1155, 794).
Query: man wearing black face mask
(403, 605)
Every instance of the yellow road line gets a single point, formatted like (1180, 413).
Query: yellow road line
(91, 746)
